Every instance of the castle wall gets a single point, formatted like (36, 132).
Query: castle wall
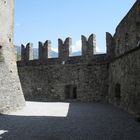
(11, 96)
(124, 69)
(127, 34)
(114, 76)
(51, 79)
(124, 82)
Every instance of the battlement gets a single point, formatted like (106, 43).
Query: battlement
(26, 52)
(64, 52)
(64, 48)
(88, 45)
(127, 35)
(44, 50)
(114, 76)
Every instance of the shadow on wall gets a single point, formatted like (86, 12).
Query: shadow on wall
(86, 121)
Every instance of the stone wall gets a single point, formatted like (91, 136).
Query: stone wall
(124, 81)
(127, 33)
(124, 55)
(53, 81)
(114, 76)
(11, 96)
(81, 77)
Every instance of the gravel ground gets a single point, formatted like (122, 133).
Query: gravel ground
(69, 121)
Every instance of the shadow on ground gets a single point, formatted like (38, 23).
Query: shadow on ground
(84, 121)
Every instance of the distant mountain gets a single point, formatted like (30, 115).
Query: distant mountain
(79, 53)
(53, 53)
(35, 53)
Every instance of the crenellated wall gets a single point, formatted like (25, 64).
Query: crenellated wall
(44, 50)
(88, 46)
(60, 78)
(127, 35)
(64, 49)
(124, 55)
(26, 52)
(114, 76)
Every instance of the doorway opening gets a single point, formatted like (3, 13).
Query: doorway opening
(118, 91)
(70, 92)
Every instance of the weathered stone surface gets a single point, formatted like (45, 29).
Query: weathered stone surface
(26, 52)
(11, 96)
(110, 45)
(125, 69)
(127, 33)
(88, 46)
(40, 51)
(50, 81)
(114, 76)
(126, 72)
(64, 48)
(44, 50)
(47, 49)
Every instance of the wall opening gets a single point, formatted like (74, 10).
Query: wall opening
(118, 91)
(70, 92)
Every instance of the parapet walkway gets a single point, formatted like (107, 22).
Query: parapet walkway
(69, 121)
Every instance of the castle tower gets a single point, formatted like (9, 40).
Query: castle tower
(11, 96)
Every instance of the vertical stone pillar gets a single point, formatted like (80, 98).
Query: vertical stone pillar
(64, 48)
(11, 95)
(47, 49)
(22, 52)
(29, 52)
(26, 52)
(88, 46)
(110, 44)
(44, 50)
(40, 51)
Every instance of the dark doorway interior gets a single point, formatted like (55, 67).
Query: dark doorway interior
(118, 91)
(70, 92)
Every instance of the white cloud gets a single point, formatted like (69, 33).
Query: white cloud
(54, 49)
(77, 46)
(98, 49)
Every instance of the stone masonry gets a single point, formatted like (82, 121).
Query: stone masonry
(112, 77)
(11, 96)
(124, 65)
(66, 77)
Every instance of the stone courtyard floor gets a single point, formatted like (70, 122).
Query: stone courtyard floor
(69, 121)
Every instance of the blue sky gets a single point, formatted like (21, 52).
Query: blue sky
(41, 20)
